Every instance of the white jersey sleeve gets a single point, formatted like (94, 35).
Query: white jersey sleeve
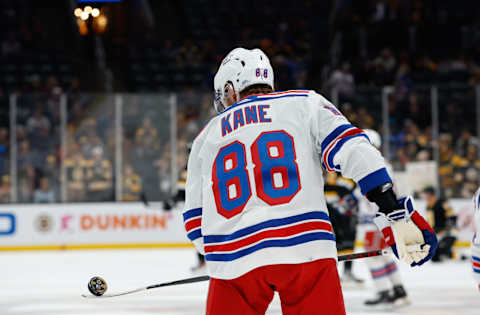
(475, 246)
(343, 147)
(192, 215)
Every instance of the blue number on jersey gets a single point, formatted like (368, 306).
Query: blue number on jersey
(276, 170)
(276, 173)
(231, 186)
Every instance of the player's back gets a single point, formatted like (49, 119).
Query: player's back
(262, 186)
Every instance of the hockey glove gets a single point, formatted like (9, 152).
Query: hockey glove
(407, 233)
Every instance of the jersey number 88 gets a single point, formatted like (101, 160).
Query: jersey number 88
(275, 173)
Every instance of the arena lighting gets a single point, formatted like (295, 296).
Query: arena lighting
(102, 22)
(77, 12)
(95, 12)
(84, 16)
(88, 9)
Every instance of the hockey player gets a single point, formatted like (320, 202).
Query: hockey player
(383, 269)
(475, 246)
(342, 209)
(254, 194)
(180, 197)
(442, 219)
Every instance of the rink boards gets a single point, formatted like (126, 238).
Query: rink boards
(89, 225)
(126, 225)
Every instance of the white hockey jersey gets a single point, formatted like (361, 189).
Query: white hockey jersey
(254, 193)
(475, 246)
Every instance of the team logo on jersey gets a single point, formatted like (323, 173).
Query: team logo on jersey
(333, 110)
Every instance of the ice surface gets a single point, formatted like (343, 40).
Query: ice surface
(51, 283)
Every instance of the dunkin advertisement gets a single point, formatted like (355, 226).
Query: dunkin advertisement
(89, 225)
(132, 225)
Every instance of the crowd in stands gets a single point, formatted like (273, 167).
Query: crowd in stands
(412, 140)
(162, 64)
(370, 44)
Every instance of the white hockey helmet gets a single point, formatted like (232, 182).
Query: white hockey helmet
(241, 68)
(374, 137)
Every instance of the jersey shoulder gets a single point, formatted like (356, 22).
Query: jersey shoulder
(203, 133)
(476, 201)
(316, 99)
(308, 100)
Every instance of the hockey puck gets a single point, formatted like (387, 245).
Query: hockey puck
(97, 286)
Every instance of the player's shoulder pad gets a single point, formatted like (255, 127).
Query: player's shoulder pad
(202, 135)
(317, 99)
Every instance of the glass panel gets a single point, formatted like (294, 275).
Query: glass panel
(90, 146)
(147, 165)
(410, 142)
(38, 140)
(459, 168)
(5, 183)
(410, 117)
(194, 111)
(363, 108)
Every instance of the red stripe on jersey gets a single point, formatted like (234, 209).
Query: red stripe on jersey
(476, 264)
(351, 132)
(384, 271)
(282, 232)
(287, 92)
(274, 93)
(193, 224)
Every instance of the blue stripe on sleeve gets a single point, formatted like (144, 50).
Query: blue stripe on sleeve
(195, 234)
(192, 213)
(266, 224)
(476, 270)
(374, 180)
(476, 259)
(272, 243)
(337, 148)
(334, 134)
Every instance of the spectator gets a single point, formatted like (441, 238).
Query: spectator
(38, 121)
(26, 172)
(386, 60)
(99, 177)
(4, 147)
(464, 141)
(342, 80)
(5, 189)
(44, 194)
(76, 166)
(146, 130)
(11, 46)
(132, 185)
(442, 219)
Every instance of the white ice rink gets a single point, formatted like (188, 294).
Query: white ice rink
(51, 283)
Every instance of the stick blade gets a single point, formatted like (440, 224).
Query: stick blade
(91, 296)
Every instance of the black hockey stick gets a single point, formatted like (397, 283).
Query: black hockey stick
(205, 278)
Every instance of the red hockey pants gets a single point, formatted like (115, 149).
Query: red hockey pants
(304, 289)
